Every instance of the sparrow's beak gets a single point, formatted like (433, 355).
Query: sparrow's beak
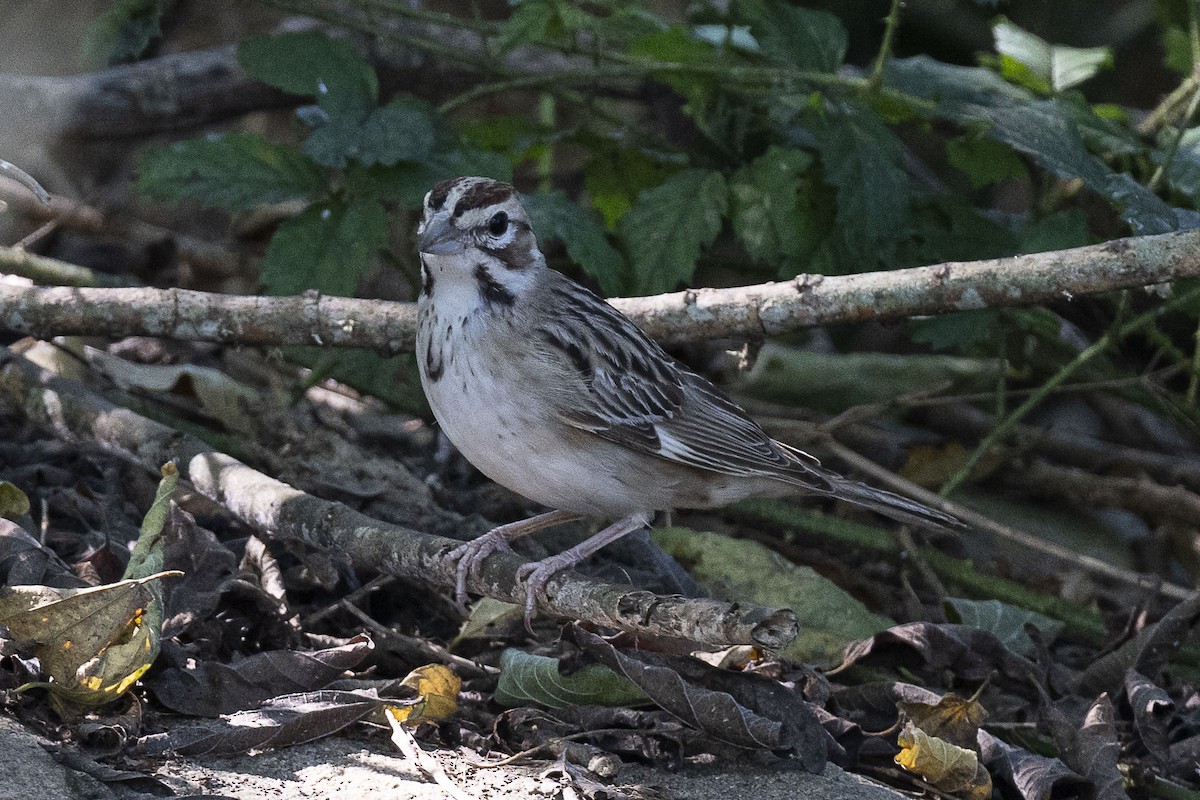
(440, 238)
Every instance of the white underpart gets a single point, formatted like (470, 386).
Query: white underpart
(483, 402)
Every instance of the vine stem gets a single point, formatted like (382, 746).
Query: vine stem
(891, 25)
(1006, 426)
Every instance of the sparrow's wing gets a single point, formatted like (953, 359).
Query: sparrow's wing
(618, 384)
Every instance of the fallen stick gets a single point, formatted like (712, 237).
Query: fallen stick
(73, 412)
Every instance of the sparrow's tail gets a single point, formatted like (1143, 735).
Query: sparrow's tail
(894, 506)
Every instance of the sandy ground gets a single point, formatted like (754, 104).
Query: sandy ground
(341, 768)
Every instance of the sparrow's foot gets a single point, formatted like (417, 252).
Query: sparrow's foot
(536, 574)
(469, 556)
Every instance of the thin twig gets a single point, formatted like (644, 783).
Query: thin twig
(403, 739)
(1007, 424)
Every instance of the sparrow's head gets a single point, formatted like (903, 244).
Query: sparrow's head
(468, 214)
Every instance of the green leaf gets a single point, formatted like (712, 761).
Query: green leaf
(616, 176)
(1061, 230)
(327, 247)
(234, 171)
(1183, 174)
(123, 32)
(403, 130)
(985, 161)
(554, 216)
(746, 571)
(676, 46)
(863, 160)
(765, 207)
(665, 231)
(147, 556)
(395, 380)
(1056, 66)
(526, 678)
(799, 37)
(1043, 129)
(837, 381)
(532, 22)
(1006, 621)
(556, 22)
(945, 228)
(964, 332)
(1177, 50)
(312, 64)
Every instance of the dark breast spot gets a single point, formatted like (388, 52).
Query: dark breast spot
(434, 367)
(426, 281)
(492, 292)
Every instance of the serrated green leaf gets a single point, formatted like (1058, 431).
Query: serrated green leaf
(403, 130)
(984, 161)
(328, 247)
(234, 171)
(554, 216)
(312, 64)
(1043, 129)
(1058, 66)
(863, 160)
(1006, 621)
(526, 678)
(804, 38)
(765, 207)
(123, 32)
(665, 231)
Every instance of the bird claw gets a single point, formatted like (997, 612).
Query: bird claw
(468, 557)
(533, 577)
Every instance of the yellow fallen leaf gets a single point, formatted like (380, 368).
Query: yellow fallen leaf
(437, 694)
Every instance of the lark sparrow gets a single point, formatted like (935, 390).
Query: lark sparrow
(553, 393)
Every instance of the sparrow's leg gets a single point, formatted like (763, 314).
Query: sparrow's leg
(471, 554)
(538, 573)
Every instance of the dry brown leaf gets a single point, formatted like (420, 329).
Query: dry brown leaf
(953, 719)
(948, 767)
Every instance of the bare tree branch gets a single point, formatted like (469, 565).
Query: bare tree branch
(72, 412)
(741, 312)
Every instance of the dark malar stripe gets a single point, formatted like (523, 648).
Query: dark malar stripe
(492, 292)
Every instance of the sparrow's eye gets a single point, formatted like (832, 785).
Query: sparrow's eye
(498, 224)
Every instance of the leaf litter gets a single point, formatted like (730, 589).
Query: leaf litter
(240, 671)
